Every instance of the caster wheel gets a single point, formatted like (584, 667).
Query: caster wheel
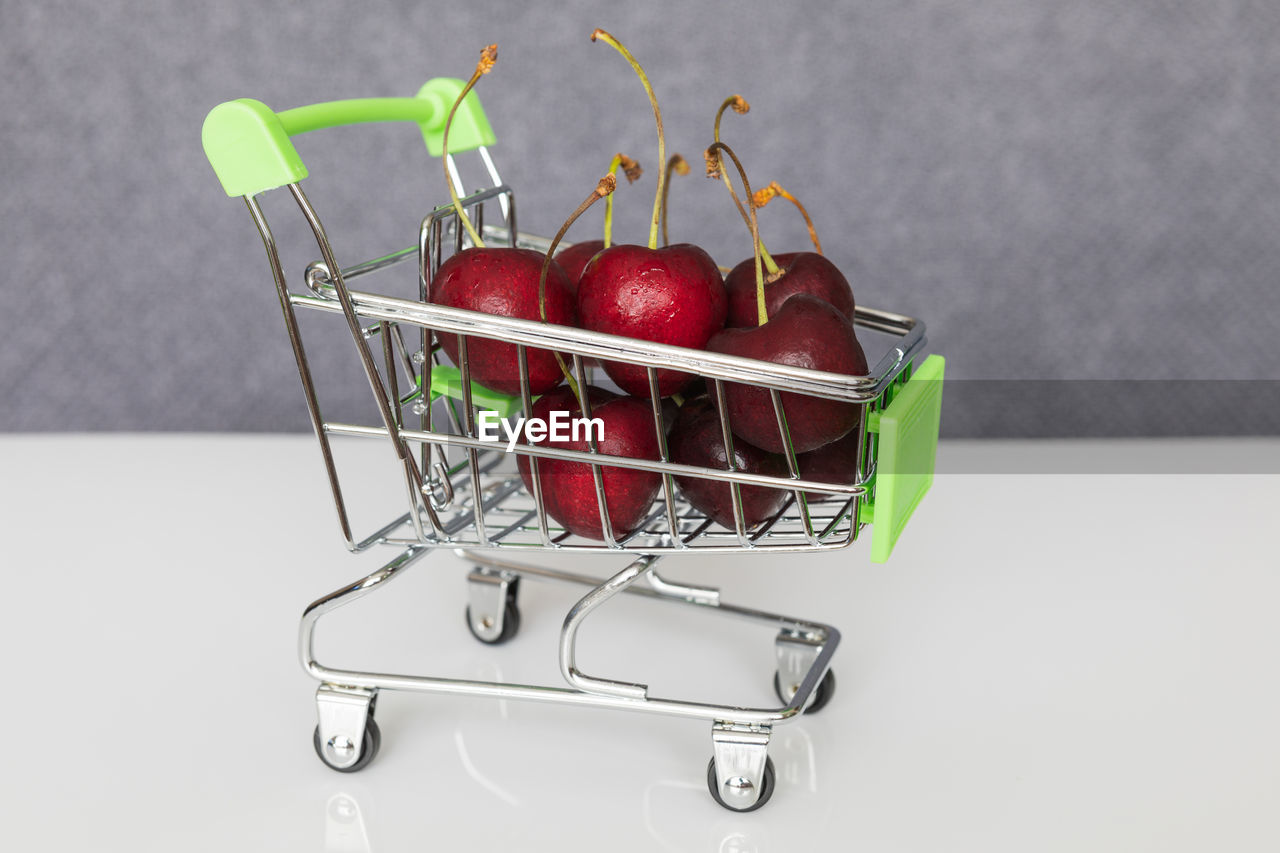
(826, 689)
(510, 624)
(766, 786)
(368, 749)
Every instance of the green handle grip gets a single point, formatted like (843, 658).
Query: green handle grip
(447, 382)
(249, 145)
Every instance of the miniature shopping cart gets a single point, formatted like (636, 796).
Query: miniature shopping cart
(465, 494)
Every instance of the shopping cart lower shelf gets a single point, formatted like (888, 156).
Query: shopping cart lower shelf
(347, 737)
(465, 495)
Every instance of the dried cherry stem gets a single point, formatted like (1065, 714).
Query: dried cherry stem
(740, 106)
(488, 57)
(631, 169)
(677, 165)
(715, 168)
(764, 196)
(608, 39)
(604, 188)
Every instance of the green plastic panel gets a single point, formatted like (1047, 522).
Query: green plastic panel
(249, 145)
(906, 454)
(447, 382)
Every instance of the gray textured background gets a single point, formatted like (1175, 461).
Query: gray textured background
(1064, 191)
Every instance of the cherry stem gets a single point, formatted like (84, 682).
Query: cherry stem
(631, 169)
(741, 107)
(764, 196)
(608, 39)
(679, 166)
(488, 57)
(714, 157)
(604, 188)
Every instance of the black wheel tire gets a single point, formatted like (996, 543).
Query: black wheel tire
(510, 623)
(368, 749)
(767, 784)
(826, 689)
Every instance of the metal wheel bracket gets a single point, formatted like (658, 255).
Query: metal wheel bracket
(342, 713)
(740, 755)
(797, 654)
(487, 594)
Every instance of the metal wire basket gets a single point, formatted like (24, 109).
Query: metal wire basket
(471, 495)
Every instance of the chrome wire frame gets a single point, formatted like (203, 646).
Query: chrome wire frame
(583, 689)
(474, 503)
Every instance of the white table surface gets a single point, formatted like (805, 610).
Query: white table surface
(1050, 662)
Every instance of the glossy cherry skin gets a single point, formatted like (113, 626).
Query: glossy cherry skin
(697, 439)
(504, 281)
(805, 332)
(802, 272)
(673, 295)
(569, 489)
(573, 259)
(836, 462)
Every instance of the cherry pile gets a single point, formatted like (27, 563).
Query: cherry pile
(794, 308)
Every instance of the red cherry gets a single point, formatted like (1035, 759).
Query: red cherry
(697, 439)
(801, 272)
(574, 258)
(504, 282)
(836, 462)
(805, 332)
(569, 489)
(672, 295)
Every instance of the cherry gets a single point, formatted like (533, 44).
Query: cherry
(805, 332)
(697, 439)
(572, 259)
(672, 295)
(798, 272)
(836, 462)
(502, 281)
(569, 489)
(786, 274)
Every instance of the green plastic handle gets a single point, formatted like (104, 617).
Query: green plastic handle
(249, 145)
(447, 382)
